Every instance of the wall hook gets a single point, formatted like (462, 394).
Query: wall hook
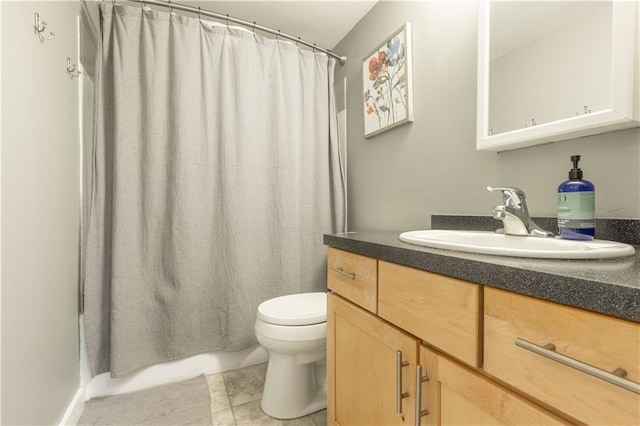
(38, 28)
(72, 70)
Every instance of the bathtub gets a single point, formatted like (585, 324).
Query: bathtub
(166, 372)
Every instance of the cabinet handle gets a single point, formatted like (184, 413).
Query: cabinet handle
(548, 351)
(419, 380)
(399, 394)
(350, 275)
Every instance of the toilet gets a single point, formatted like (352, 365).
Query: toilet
(293, 330)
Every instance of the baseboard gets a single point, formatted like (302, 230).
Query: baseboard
(74, 410)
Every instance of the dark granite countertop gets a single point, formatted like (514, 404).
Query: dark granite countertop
(610, 286)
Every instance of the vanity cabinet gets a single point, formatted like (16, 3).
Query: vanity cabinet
(437, 350)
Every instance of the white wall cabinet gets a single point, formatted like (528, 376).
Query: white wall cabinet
(523, 104)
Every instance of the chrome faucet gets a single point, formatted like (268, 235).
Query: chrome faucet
(515, 215)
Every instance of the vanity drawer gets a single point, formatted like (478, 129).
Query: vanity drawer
(517, 328)
(444, 312)
(354, 277)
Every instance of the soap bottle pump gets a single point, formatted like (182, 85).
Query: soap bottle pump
(576, 205)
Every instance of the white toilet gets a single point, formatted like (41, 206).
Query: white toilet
(293, 329)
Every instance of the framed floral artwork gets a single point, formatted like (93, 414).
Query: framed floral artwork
(386, 76)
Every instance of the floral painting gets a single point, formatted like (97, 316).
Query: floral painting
(386, 73)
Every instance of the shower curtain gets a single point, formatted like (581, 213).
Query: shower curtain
(216, 172)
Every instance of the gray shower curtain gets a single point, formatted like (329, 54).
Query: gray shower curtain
(216, 172)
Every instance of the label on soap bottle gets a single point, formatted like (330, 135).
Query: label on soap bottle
(576, 209)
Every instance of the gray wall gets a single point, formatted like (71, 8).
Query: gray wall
(399, 178)
(40, 214)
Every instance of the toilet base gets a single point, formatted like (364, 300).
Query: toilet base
(293, 390)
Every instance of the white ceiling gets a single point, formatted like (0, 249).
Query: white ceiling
(322, 22)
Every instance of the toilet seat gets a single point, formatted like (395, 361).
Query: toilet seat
(301, 309)
(287, 333)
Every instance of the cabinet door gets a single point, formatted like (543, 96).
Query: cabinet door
(456, 395)
(362, 357)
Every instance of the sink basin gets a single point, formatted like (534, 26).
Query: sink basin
(509, 245)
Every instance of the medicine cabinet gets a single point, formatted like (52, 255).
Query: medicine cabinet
(549, 71)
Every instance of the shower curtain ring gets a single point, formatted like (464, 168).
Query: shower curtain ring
(298, 42)
(254, 27)
(170, 7)
(227, 20)
(278, 35)
(199, 16)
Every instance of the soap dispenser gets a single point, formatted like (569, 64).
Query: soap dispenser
(576, 205)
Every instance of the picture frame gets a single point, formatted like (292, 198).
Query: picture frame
(387, 86)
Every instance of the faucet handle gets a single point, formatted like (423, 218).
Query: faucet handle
(512, 196)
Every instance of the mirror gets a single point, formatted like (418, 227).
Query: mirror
(549, 71)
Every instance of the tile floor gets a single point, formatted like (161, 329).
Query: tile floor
(235, 400)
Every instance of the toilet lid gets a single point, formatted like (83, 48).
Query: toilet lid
(295, 309)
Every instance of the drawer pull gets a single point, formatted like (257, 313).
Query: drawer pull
(399, 394)
(615, 378)
(420, 379)
(350, 275)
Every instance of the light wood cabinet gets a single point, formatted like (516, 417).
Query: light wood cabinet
(562, 356)
(462, 360)
(353, 276)
(362, 368)
(442, 311)
(456, 395)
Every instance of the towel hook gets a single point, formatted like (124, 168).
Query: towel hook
(72, 70)
(39, 27)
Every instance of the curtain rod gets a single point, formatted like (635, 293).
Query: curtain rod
(171, 5)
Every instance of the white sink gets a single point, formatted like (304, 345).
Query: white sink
(509, 245)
